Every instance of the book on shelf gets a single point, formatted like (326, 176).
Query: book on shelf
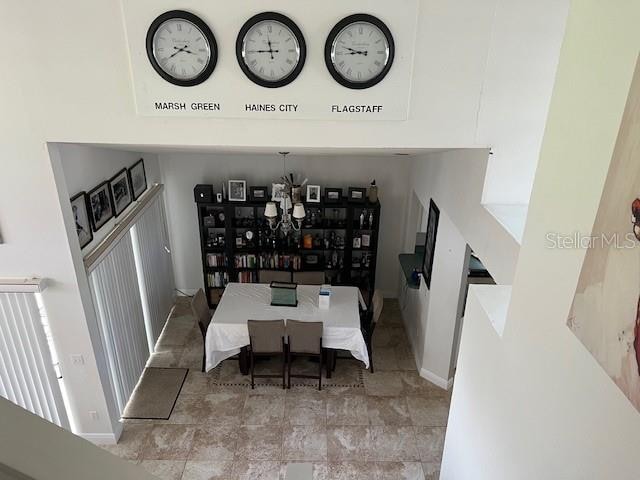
(280, 261)
(216, 260)
(247, 277)
(217, 279)
(245, 261)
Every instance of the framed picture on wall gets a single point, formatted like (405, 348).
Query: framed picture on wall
(357, 195)
(100, 209)
(120, 191)
(430, 242)
(237, 191)
(81, 218)
(259, 194)
(313, 193)
(332, 195)
(138, 178)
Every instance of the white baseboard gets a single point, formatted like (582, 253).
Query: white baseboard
(103, 438)
(435, 379)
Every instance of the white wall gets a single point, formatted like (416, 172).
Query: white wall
(85, 167)
(181, 172)
(534, 403)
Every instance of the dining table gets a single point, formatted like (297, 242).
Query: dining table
(228, 334)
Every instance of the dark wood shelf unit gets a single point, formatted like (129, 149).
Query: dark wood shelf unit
(347, 225)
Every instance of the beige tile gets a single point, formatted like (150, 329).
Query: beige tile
(351, 470)
(208, 470)
(389, 336)
(383, 384)
(166, 359)
(198, 383)
(304, 442)
(347, 410)
(431, 470)
(388, 411)
(430, 443)
(168, 442)
(385, 359)
(428, 411)
(164, 469)
(226, 407)
(259, 442)
(347, 443)
(319, 470)
(131, 442)
(306, 407)
(399, 471)
(252, 470)
(214, 442)
(263, 410)
(392, 444)
(191, 410)
(414, 384)
(191, 357)
(176, 332)
(406, 359)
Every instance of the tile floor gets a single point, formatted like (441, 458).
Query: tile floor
(386, 425)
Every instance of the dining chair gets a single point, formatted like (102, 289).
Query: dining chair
(305, 340)
(266, 339)
(371, 316)
(308, 278)
(268, 276)
(202, 314)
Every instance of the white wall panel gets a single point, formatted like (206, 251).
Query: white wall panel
(27, 376)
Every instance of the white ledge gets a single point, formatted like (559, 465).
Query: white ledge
(494, 300)
(511, 217)
(22, 285)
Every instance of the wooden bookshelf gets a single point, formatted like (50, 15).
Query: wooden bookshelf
(332, 226)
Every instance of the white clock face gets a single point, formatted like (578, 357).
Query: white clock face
(181, 49)
(360, 52)
(270, 50)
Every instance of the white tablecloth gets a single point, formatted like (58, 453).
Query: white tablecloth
(228, 332)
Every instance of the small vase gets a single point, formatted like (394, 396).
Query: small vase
(373, 194)
(296, 194)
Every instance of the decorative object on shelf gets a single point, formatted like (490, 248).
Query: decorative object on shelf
(219, 197)
(203, 193)
(359, 51)
(313, 193)
(284, 294)
(362, 218)
(81, 218)
(181, 48)
(373, 192)
(356, 242)
(120, 191)
(100, 208)
(259, 194)
(366, 240)
(271, 50)
(357, 195)
(138, 178)
(332, 195)
(430, 242)
(371, 219)
(237, 191)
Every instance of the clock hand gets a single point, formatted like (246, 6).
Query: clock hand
(177, 52)
(270, 50)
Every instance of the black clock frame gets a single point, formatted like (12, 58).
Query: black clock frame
(290, 24)
(358, 17)
(206, 31)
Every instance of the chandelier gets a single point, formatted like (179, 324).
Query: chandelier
(290, 198)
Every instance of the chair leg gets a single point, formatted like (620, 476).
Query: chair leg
(370, 348)
(289, 368)
(284, 363)
(251, 368)
(204, 360)
(320, 372)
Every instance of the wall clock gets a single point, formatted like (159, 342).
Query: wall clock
(271, 50)
(359, 51)
(181, 48)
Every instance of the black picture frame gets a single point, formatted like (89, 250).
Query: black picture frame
(100, 205)
(121, 192)
(357, 195)
(332, 195)
(259, 194)
(82, 218)
(138, 173)
(291, 25)
(430, 242)
(204, 28)
(358, 17)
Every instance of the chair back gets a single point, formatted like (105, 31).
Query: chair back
(200, 310)
(304, 337)
(377, 302)
(266, 335)
(268, 276)
(308, 278)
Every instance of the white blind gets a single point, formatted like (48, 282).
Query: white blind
(118, 305)
(27, 376)
(154, 267)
